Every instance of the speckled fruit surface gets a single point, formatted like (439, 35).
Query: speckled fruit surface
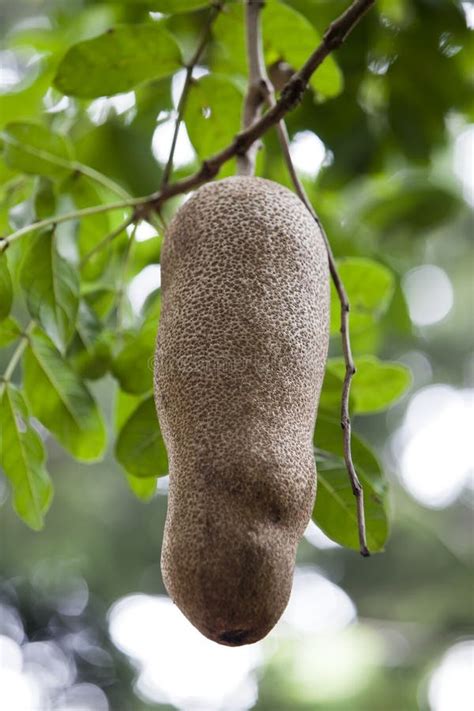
(240, 359)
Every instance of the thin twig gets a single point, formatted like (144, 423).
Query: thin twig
(107, 239)
(187, 85)
(71, 165)
(261, 79)
(254, 98)
(16, 356)
(123, 281)
(101, 179)
(66, 217)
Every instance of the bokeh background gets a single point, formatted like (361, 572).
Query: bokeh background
(85, 624)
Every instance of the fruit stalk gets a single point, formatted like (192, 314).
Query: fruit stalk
(215, 10)
(254, 98)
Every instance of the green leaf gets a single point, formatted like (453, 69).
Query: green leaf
(118, 61)
(125, 404)
(335, 508)
(229, 32)
(144, 488)
(212, 113)
(6, 288)
(12, 194)
(290, 36)
(22, 458)
(369, 286)
(91, 229)
(133, 367)
(21, 214)
(44, 198)
(61, 401)
(410, 207)
(90, 351)
(100, 298)
(33, 148)
(140, 448)
(328, 438)
(172, 7)
(330, 399)
(27, 99)
(51, 286)
(376, 385)
(145, 253)
(10, 330)
(151, 309)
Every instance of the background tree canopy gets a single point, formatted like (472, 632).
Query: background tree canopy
(89, 95)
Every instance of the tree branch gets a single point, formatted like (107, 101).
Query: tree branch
(67, 217)
(254, 127)
(254, 98)
(291, 95)
(261, 79)
(107, 239)
(215, 10)
(102, 179)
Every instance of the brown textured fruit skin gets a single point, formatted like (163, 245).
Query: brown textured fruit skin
(240, 360)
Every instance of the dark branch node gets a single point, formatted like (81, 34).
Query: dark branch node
(335, 35)
(209, 170)
(241, 144)
(293, 92)
(140, 212)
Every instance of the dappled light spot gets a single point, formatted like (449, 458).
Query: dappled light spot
(83, 697)
(19, 68)
(143, 231)
(450, 685)
(320, 670)
(49, 664)
(463, 157)
(317, 538)
(100, 110)
(162, 137)
(10, 623)
(429, 294)
(177, 83)
(54, 103)
(419, 365)
(316, 605)
(147, 281)
(434, 445)
(468, 8)
(308, 153)
(162, 642)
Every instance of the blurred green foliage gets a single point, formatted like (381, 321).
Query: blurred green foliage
(387, 107)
